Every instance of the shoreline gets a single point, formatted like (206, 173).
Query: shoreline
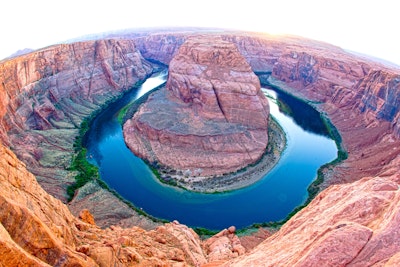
(242, 178)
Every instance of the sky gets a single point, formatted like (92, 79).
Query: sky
(364, 26)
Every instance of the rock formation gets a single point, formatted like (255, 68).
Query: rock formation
(212, 116)
(332, 77)
(357, 230)
(44, 96)
(38, 230)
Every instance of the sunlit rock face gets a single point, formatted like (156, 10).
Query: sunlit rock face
(211, 119)
(37, 229)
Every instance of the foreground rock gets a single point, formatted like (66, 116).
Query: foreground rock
(212, 117)
(38, 230)
(360, 229)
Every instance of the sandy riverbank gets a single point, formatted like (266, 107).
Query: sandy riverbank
(242, 178)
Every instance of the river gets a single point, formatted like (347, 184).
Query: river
(270, 199)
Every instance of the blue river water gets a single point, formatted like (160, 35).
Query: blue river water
(270, 199)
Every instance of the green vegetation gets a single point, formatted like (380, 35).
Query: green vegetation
(122, 114)
(85, 171)
(314, 187)
(204, 232)
(127, 112)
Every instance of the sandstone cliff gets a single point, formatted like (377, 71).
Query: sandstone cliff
(212, 117)
(352, 223)
(46, 95)
(361, 99)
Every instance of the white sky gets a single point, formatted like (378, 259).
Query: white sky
(365, 26)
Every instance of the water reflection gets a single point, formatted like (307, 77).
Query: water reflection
(302, 113)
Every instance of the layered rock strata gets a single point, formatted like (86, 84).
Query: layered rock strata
(46, 95)
(354, 223)
(211, 119)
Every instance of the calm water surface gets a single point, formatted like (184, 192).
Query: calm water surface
(270, 199)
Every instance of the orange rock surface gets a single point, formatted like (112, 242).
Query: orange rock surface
(38, 230)
(359, 229)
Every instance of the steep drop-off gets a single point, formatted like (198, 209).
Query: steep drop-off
(45, 97)
(354, 222)
(212, 116)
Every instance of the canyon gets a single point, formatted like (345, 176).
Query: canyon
(45, 95)
(212, 116)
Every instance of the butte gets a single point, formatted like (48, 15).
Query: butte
(210, 119)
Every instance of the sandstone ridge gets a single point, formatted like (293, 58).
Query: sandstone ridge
(212, 116)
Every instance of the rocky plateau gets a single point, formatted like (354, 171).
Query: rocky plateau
(45, 96)
(212, 115)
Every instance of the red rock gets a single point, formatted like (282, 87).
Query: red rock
(36, 228)
(87, 217)
(232, 229)
(223, 246)
(344, 234)
(354, 223)
(46, 94)
(252, 240)
(213, 116)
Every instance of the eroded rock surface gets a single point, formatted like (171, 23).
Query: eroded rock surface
(38, 230)
(353, 223)
(358, 230)
(355, 92)
(212, 117)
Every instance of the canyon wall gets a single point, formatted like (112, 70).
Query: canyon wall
(45, 95)
(360, 98)
(353, 224)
